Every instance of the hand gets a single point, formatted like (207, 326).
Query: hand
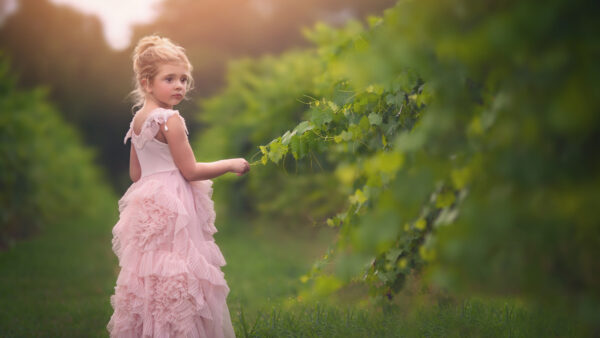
(239, 166)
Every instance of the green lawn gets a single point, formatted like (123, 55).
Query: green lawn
(58, 284)
(264, 267)
(471, 318)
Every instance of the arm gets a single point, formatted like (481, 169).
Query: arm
(184, 158)
(135, 171)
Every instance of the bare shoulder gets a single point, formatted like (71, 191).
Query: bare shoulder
(176, 121)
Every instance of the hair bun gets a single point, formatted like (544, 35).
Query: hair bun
(148, 42)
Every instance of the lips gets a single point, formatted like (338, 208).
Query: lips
(178, 96)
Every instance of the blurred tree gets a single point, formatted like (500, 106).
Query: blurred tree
(46, 174)
(58, 47)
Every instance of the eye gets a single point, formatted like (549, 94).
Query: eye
(184, 79)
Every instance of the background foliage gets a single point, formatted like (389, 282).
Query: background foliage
(46, 173)
(262, 97)
(463, 135)
(58, 47)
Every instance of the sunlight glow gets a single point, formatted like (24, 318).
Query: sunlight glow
(117, 16)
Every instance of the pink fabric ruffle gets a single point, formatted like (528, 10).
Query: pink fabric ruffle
(170, 283)
(150, 127)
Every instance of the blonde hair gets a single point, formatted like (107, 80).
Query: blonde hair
(149, 54)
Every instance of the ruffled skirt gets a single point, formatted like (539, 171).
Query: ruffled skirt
(170, 283)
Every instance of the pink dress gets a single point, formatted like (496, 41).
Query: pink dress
(170, 283)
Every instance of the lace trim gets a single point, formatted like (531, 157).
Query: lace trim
(151, 126)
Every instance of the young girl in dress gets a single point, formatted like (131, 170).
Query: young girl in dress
(170, 283)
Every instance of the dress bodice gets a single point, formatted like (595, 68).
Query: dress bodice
(154, 156)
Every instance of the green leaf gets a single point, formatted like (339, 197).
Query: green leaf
(355, 133)
(375, 119)
(276, 151)
(358, 197)
(393, 254)
(285, 139)
(395, 99)
(420, 224)
(358, 107)
(321, 116)
(295, 146)
(303, 126)
(447, 216)
(345, 136)
(364, 123)
(334, 107)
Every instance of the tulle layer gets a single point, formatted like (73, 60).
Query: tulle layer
(170, 283)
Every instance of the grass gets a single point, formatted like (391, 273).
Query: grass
(471, 318)
(58, 284)
(263, 272)
(264, 267)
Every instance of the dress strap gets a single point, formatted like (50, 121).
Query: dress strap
(161, 115)
(151, 125)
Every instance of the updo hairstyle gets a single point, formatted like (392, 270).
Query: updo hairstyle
(150, 53)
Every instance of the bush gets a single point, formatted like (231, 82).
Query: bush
(47, 174)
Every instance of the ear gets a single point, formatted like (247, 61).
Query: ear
(146, 85)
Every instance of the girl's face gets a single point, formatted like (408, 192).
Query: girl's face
(169, 85)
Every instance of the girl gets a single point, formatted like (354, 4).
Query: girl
(170, 283)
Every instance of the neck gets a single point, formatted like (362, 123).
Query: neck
(150, 104)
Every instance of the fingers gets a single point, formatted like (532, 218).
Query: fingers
(245, 167)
